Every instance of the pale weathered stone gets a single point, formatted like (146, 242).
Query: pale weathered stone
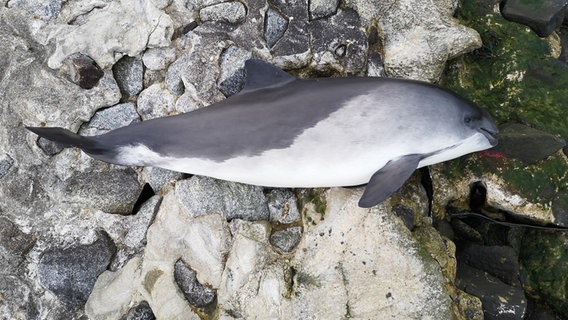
(155, 102)
(202, 241)
(120, 27)
(419, 36)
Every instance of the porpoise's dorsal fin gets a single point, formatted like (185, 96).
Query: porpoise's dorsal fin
(262, 75)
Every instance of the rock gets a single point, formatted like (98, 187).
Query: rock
(130, 26)
(112, 118)
(322, 8)
(233, 76)
(158, 58)
(84, 71)
(543, 255)
(339, 43)
(231, 12)
(6, 162)
(129, 74)
(203, 195)
(283, 206)
(14, 244)
(499, 261)
(500, 301)
(527, 144)
(45, 10)
(332, 257)
(409, 35)
(18, 301)
(275, 25)
(174, 235)
(71, 273)
(543, 16)
(194, 74)
(114, 190)
(130, 232)
(141, 312)
(406, 214)
(155, 102)
(159, 178)
(286, 240)
(197, 294)
(292, 50)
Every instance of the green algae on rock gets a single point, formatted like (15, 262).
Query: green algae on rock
(544, 272)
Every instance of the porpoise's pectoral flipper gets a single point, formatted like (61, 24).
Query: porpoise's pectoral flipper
(68, 138)
(388, 179)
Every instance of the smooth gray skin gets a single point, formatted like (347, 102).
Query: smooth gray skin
(271, 111)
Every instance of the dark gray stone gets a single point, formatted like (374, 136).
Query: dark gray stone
(112, 191)
(233, 84)
(203, 195)
(527, 144)
(340, 35)
(111, 118)
(286, 240)
(129, 75)
(14, 244)
(543, 16)
(196, 294)
(84, 71)
(499, 261)
(500, 301)
(49, 147)
(295, 39)
(141, 312)
(6, 162)
(283, 206)
(16, 299)
(406, 214)
(158, 178)
(275, 25)
(71, 273)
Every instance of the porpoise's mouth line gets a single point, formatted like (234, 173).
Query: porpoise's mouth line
(490, 135)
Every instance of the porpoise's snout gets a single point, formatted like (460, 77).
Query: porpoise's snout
(489, 129)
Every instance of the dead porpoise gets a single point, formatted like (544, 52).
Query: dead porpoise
(280, 131)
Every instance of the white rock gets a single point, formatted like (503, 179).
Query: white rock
(418, 42)
(159, 58)
(155, 102)
(122, 27)
(202, 242)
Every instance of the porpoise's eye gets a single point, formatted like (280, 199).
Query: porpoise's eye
(467, 119)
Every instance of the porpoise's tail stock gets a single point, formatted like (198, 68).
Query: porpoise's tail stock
(68, 138)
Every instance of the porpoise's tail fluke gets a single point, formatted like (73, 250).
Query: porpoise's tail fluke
(69, 139)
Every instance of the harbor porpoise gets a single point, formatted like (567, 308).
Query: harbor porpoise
(281, 131)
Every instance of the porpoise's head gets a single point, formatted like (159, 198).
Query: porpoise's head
(477, 120)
